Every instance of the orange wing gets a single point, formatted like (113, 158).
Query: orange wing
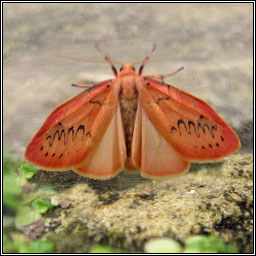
(191, 126)
(74, 131)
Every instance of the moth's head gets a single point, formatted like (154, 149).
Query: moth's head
(127, 69)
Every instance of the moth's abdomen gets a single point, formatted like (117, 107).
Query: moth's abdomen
(128, 113)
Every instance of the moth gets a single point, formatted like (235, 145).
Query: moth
(133, 122)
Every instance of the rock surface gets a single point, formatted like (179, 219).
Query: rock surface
(209, 201)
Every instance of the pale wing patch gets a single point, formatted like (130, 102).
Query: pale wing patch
(109, 156)
(136, 139)
(158, 158)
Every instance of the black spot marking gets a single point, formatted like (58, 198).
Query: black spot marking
(51, 138)
(222, 139)
(53, 154)
(46, 154)
(210, 129)
(59, 123)
(71, 129)
(201, 117)
(148, 83)
(198, 128)
(80, 127)
(168, 86)
(174, 129)
(95, 102)
(89, 89)
(88, 134)
(133, 68)
(65, 134)
(60, 156)
(217, 144)
(164, 98)
(41, 148)
(210, 145)
(106, 58)
(108, 85)
(203, 147)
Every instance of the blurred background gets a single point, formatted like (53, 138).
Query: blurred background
(214, 43)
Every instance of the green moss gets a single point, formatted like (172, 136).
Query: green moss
(105, 249)
(26, 216)
(41, 205)
(9, 246)
(208, 244)
(27, 171)
(193, 244)
(37, 246)
(20, 245)
(16, 200)
(162, 245)
(9, 164)
(11, 191)
(11, 184)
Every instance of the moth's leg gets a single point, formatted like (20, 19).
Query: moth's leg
(162, 77)
(145, 61)
(82, 85)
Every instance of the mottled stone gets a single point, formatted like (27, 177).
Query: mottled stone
(126, 217)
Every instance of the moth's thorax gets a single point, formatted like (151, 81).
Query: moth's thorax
(127, 75)
(128, 86)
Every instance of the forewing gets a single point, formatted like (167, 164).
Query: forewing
(74, 128)
(190, 125)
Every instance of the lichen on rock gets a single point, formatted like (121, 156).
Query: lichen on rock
(126, 216)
